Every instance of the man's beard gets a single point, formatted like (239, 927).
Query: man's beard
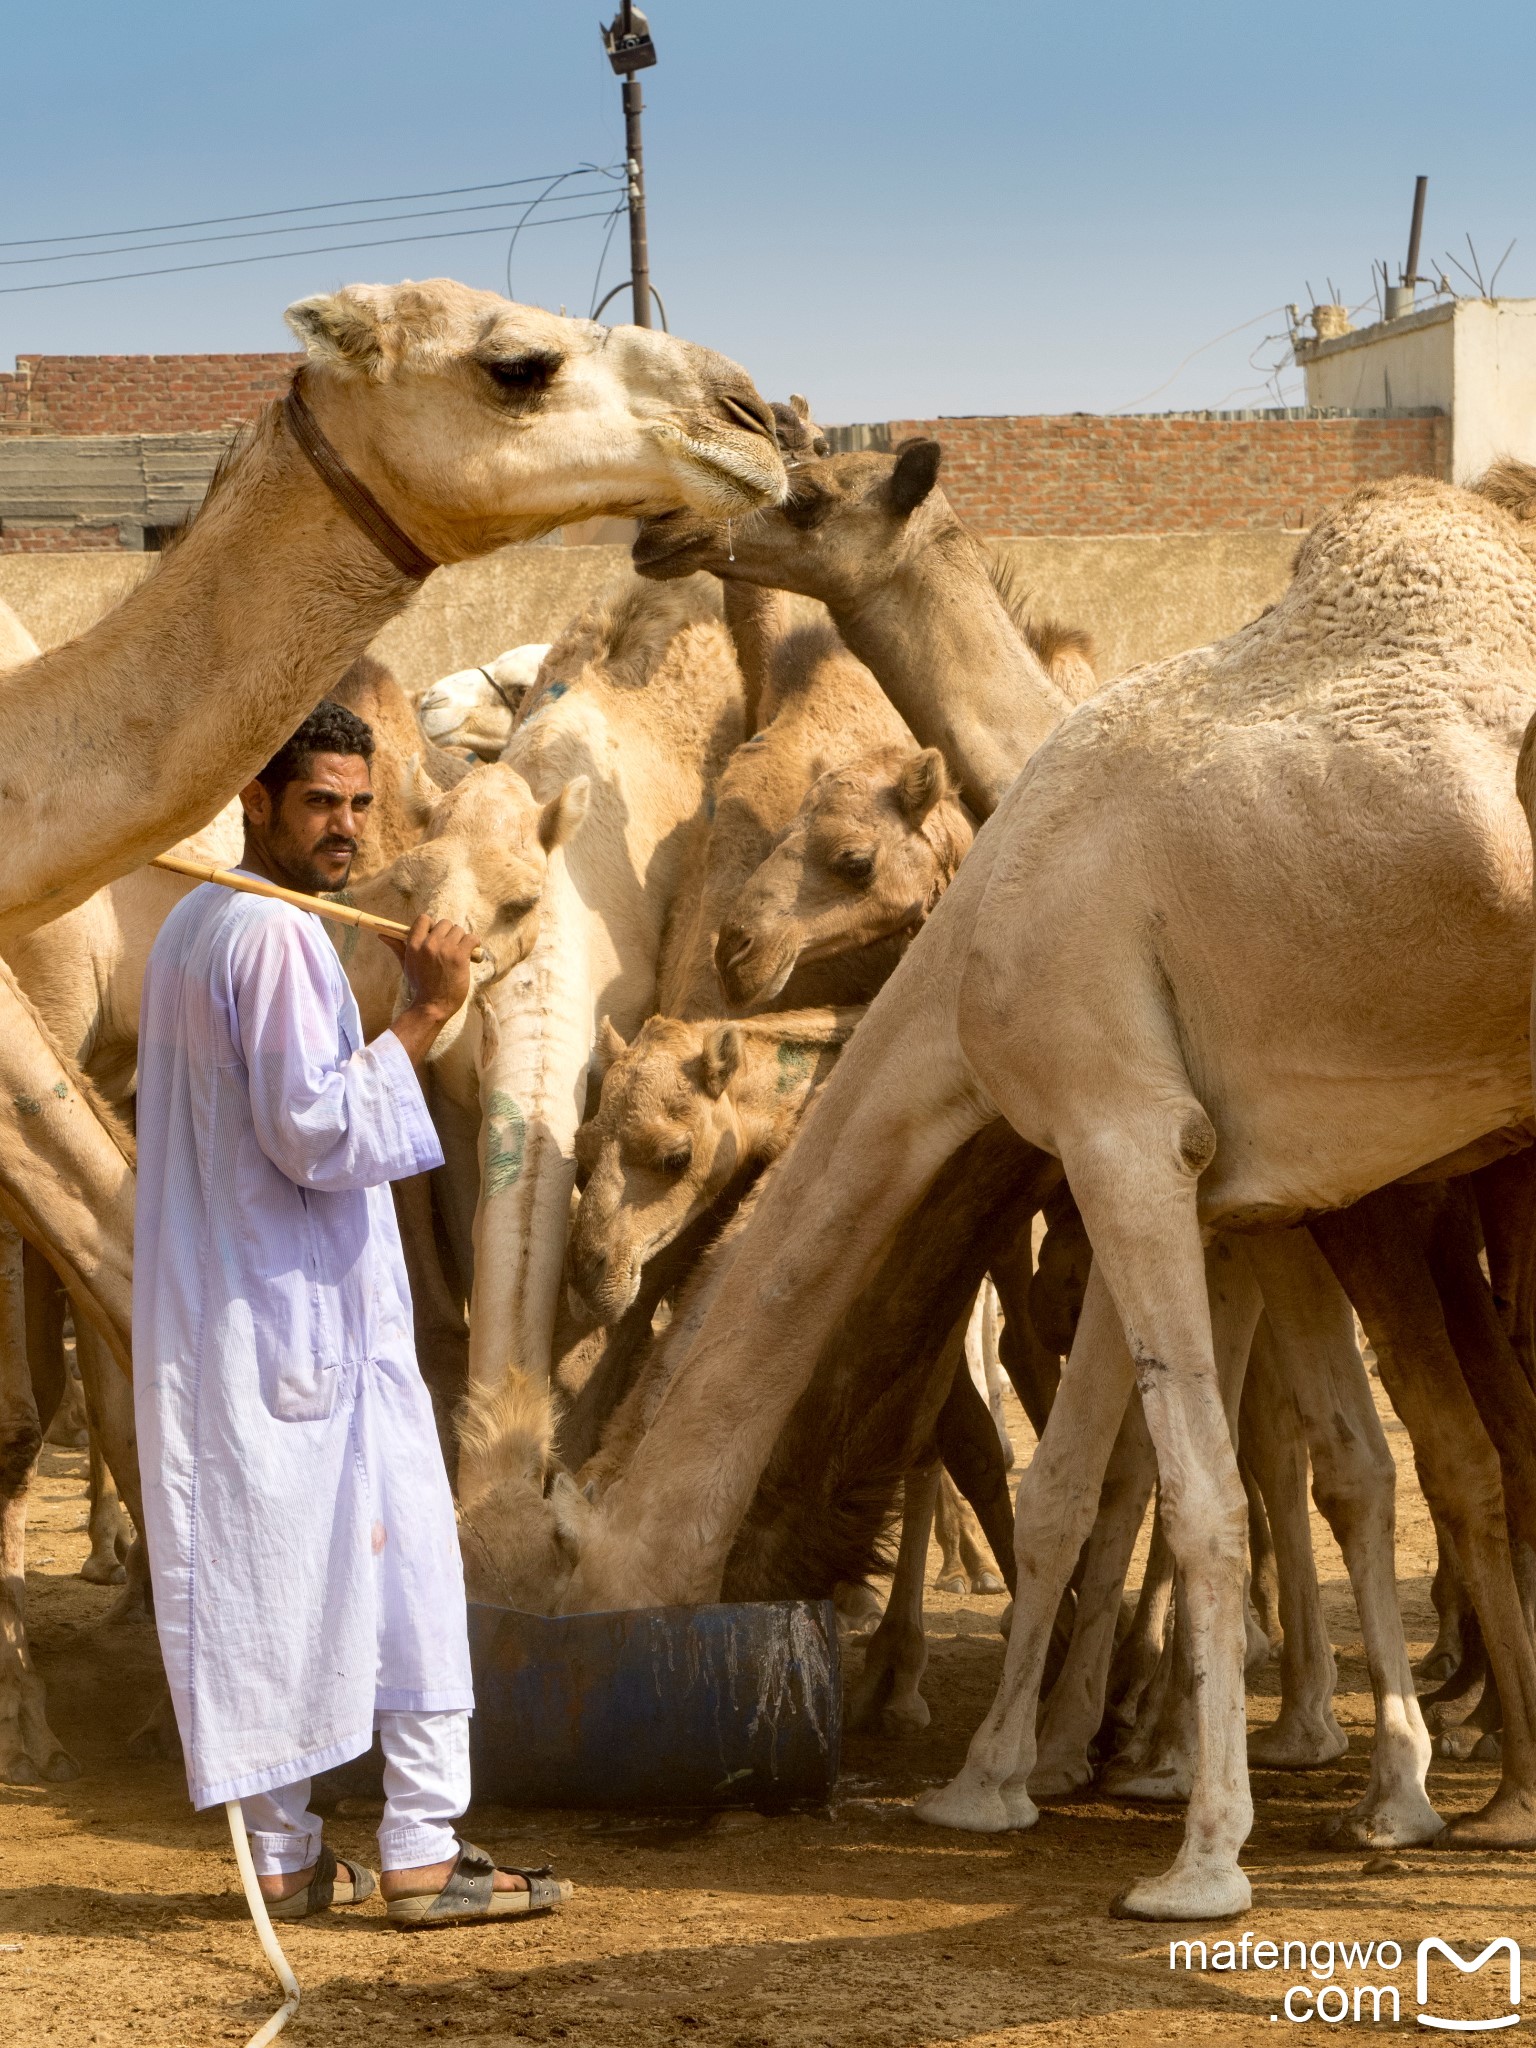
(306, 876)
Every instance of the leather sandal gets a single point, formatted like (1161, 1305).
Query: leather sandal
(470, 1894)
(336, 1882)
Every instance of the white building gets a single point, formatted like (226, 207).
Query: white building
(1473, 359)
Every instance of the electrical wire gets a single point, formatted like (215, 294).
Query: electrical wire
(1268, 313)
(172, 227)
(282, 255)
(613, 221)
(294, 228)
(539, 201)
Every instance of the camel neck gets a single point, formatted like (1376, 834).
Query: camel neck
(942, 646)
(780, 1075)
(136, 734)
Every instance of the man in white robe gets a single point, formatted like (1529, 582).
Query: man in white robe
(305, 1560)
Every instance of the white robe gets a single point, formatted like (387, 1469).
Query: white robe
(301, 1532)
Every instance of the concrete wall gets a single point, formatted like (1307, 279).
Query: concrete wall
(1141, 596)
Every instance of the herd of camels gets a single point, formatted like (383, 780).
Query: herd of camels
(851, 975)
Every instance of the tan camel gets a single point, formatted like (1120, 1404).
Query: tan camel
(1358, 742)
(819, 708)
(369, 689)
(914, 595)
(471, 422)
(475, 708)
(868, 854)
(643, 697)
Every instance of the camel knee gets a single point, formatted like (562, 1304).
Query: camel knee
(1207, 1522)
(20, 1445)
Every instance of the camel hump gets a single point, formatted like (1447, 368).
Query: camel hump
(1510, 484)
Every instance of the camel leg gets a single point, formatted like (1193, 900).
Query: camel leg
(1305, 1733)
(1058, 1499)
(29, 1750)
(1506, 1201)
(962, 1568)
(1263, 1570)
(985, 1364)
(1453, 1613)
(1074, 1707)
(1033, 1370)
(975, 1482)
(1354, 1482)
(1378, 1248)
(107, 1526)
(886, 1694)
(1139, 1655)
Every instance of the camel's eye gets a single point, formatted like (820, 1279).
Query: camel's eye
(522, 376)
(677, 1161)
(854, 867)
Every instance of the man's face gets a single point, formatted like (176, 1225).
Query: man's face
(308, 838)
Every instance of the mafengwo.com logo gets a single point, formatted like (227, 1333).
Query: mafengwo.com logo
(1341, 1982)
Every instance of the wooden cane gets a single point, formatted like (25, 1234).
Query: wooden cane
(322, 906)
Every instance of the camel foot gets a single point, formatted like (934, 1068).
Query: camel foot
(1200, 1893)
(1489, 1748)
(1297, 1742)
(1058, 1777)
(159, 1736)
(1508, 1821)
(900, 1720)
(857, 1605)
(979, 1808)
(1167, 1782)
(1257, 1648)
(952, 1582)
(104, 1571)
(1459, 1743)
(987, 1582)
(1436, 1666)
(1405, 1822)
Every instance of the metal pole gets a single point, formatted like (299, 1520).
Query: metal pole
(639, 251)
(1420, 187)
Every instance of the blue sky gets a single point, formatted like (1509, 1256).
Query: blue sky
(901, 210)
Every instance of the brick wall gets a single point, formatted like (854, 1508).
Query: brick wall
(138, 394)
(1083, 473)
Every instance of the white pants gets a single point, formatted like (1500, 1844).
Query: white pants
(426, 1788)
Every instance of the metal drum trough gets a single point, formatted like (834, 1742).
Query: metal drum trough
(734, 1705)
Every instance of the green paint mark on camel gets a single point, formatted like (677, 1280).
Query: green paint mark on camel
(506, 1141)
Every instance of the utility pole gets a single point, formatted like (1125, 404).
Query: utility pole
(627, 39)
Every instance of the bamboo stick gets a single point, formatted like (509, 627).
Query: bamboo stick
(322, 906)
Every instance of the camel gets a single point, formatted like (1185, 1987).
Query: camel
(369, 689)
(642, 696)
(463, 422)
(871, 849)
(1357, 742)
(475, 708)
(914, 594)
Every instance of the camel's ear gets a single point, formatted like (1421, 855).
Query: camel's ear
(573, 1509)
(419, 794)
(561, 818)
(915, 474)
(720, 1058)
(920, 785)
(338, 327)
(610, 1044)
(800, 407)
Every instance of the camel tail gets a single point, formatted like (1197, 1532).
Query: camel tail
(505, 1432)
(1511, 484)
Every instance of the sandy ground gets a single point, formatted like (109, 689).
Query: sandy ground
(121, 1919)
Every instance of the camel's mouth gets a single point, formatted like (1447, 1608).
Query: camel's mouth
(665, 541)
(725, 473)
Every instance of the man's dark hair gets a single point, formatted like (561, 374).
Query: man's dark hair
(329, 729)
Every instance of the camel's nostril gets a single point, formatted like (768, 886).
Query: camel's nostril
(743, 414)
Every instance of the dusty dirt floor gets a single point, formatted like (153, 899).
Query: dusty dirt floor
(121, 1919)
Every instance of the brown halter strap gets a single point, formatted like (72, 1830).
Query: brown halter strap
(350, 492)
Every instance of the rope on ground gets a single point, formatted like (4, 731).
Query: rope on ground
(234, 1814)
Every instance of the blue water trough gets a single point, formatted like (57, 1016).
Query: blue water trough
(656, 1707)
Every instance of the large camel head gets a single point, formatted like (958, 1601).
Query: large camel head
(663, 1143)
(871, 849)
(846, 525)
(476, 422)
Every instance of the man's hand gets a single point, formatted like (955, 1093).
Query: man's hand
(436, 962)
